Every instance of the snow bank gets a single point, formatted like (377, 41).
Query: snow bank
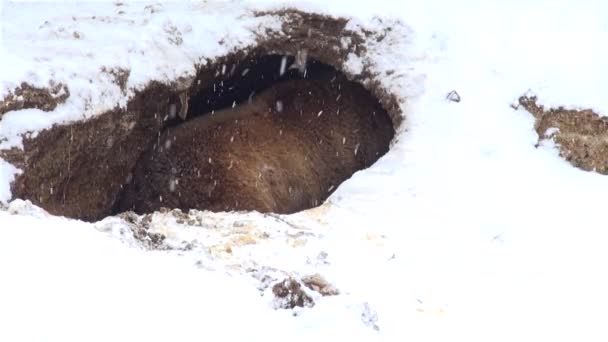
(79, 48)
(463, 230)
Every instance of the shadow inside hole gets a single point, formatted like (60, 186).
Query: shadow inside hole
(239, 82)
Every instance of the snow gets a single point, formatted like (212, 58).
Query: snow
(7, 174)
(61, 285)
(71, 46)
(464, 230)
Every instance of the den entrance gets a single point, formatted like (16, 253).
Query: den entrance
(276, 134)
(264, 132)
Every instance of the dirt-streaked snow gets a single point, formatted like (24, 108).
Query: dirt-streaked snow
(464, 230)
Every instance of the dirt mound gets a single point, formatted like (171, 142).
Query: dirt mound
(581, 135)
(80, 170)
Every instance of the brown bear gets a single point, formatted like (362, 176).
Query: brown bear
(285, 150)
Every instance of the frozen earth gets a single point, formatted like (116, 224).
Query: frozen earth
(464, 230)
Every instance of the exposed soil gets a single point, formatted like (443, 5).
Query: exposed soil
(140, 226)
(581, 135)
(317, 283)
(289, 295)
(79, 170)
(27, 96)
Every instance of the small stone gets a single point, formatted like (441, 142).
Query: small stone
(453, 96)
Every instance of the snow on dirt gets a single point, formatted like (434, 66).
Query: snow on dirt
(464, 230)
(70, 43)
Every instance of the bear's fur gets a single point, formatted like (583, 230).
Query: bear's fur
(285, 150)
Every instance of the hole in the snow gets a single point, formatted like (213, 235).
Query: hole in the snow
(264, 133)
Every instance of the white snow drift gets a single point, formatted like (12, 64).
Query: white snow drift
(464, 230)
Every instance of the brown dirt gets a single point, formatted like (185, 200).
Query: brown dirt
(27, 96)
(317, 283)
(140, 226)
(290, 294)
(581, 135)
(78, 170)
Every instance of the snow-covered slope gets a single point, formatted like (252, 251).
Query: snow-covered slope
(464, 230)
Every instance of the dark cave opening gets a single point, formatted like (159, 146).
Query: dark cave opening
(237, 82)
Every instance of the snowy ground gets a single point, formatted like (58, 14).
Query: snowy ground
(464, 230)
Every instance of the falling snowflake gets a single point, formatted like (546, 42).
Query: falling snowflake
(283, 65)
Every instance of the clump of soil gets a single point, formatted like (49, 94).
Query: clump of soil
(80, 170)
(317, 283)
(140, 226)
(289, 295)
(580, 135)
(27, 96)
